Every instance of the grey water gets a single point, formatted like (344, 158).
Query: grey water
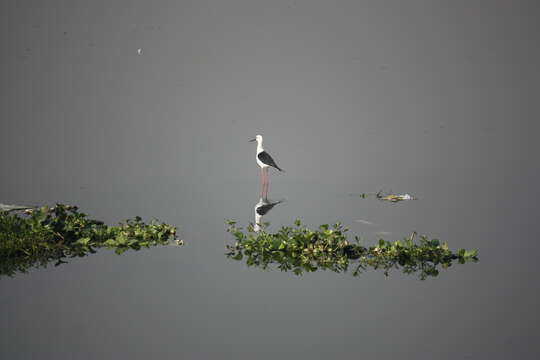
(432, 98)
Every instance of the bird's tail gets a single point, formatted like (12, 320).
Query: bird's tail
(280, 169)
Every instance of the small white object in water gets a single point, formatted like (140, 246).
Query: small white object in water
(139, 51)
(365, 222)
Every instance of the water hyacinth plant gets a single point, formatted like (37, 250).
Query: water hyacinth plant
(300, 250)
(50, 234)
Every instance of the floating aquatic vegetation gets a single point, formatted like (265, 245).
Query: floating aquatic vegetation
(388, 197)
(299, 249)
(396, 198)
(38, 236)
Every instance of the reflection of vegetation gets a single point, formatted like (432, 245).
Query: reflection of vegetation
(42, 235)
(300, 249)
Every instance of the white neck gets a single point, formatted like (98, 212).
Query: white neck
(259, 146)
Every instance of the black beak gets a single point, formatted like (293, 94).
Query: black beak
(252, 140)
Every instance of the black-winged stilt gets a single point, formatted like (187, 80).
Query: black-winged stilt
(264, 160)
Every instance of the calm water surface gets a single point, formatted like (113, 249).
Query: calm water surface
(350, 99)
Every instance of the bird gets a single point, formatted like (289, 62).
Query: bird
(264, 160)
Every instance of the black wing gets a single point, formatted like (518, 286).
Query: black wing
(267, 159)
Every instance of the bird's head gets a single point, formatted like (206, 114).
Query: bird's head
(258, 139)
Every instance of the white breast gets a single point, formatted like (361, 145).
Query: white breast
(259, 162)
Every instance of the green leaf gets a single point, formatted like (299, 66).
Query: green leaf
(120, 250)
(110, 243)
(83, 241)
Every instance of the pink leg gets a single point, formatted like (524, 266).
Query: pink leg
(266, 193)
(262, 182)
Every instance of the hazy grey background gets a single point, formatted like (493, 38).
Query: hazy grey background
(434, 98)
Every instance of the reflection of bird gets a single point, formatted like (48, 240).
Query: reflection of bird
(264, 160)
(262, 208)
